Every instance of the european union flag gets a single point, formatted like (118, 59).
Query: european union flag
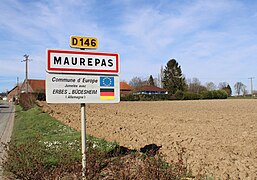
(107, 81)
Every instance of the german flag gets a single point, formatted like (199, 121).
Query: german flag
(106, 94)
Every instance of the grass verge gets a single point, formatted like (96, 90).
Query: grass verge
(43, 148)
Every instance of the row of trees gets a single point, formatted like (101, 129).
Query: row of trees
(173, 80)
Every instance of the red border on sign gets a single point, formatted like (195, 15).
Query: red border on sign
(49, 51)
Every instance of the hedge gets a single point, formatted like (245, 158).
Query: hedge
(215, 94)
(145, 97)
(179, 95)
(191, 96)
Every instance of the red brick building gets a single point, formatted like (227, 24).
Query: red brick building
(125, 89)
(34, 86)
(14, 93)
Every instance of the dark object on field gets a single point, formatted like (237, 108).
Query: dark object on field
(120, 150)
(150, 149)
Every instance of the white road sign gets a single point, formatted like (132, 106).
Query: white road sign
(63, 88)
(65, 61)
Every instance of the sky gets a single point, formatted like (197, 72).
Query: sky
(214, 41)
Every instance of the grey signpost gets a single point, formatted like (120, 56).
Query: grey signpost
(83, 138)
(82, 77)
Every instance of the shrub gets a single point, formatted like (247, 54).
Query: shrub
(207, 95)
(191, 96)
(215, 94)
(222, 94)
(40, 96)
(130, 97)
(136, 165)
(145, 97)
(31, 160)
(153, 97)
(27, 101)
(179, 95)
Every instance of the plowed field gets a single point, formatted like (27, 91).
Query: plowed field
(220, 136)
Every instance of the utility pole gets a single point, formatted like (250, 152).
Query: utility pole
(251, 78)
(26, 60)
(18, 88)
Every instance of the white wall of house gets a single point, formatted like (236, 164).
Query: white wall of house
(152, 92)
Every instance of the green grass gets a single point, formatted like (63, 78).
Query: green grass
(40, 143)
(34, 124)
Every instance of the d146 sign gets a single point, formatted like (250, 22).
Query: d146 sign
(83, 42)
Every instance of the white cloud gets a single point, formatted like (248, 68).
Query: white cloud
(199, 34)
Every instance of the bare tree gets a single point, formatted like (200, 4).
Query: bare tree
(137, 82)
(155, 80)
(160, 77)
(194, 85)
(222, 85)
(244, 90)
(210, 86)
(239, 87)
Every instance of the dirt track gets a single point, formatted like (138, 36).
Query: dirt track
(220, 135)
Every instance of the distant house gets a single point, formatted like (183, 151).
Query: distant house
(151, 90)
(34, 86)
(14, 93)
(125, 89)
(2, 95)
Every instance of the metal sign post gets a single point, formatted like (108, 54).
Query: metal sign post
(83, 138)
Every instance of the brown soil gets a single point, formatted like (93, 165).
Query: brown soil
(220, 135)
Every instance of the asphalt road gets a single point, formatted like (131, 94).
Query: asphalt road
(7, 112)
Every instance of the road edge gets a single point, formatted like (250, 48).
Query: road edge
(6, 137)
